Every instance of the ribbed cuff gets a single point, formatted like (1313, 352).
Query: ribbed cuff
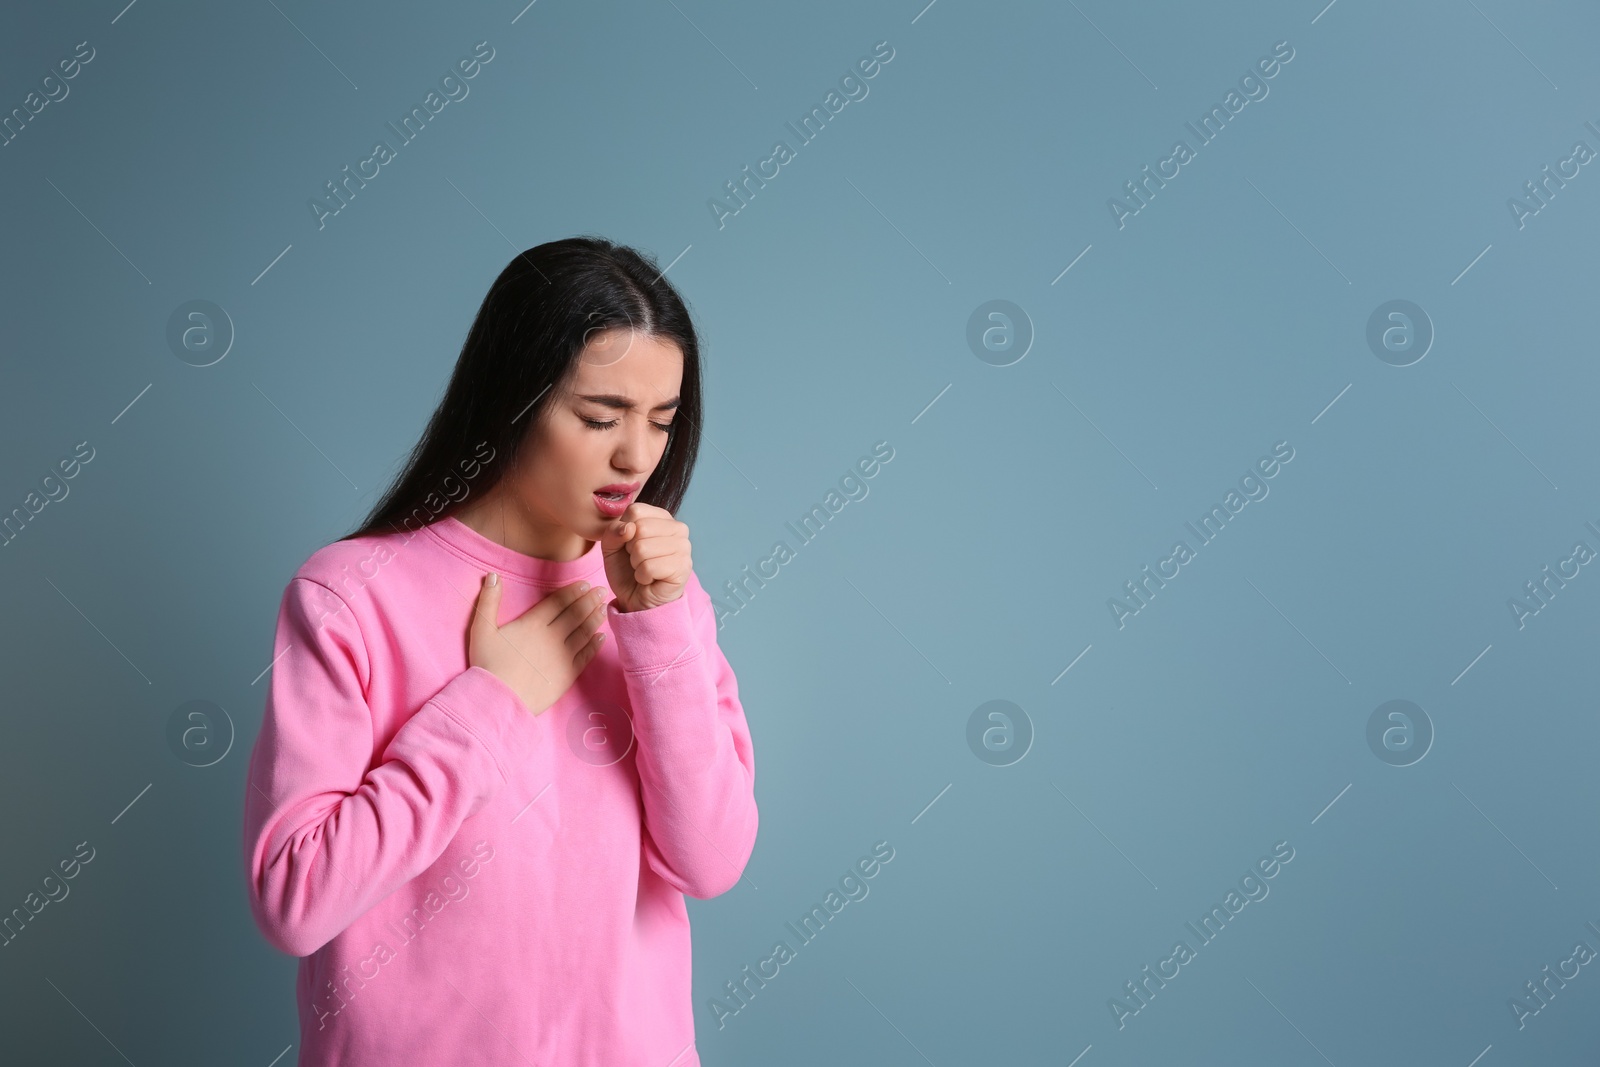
(655, 639)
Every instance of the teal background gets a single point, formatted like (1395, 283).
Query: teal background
(1228, 715)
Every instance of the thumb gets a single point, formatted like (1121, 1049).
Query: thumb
(616, 535)
(487, 609)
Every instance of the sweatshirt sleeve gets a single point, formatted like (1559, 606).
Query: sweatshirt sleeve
(330, 827)
(695, 760)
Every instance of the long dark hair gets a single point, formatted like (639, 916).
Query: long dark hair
(522, 344)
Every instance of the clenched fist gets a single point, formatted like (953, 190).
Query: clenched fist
(647, 557)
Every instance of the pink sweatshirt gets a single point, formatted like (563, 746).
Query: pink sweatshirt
(469, 883)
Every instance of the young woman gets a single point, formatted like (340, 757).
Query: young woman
(500, 741)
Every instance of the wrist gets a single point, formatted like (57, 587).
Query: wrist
(623, 609)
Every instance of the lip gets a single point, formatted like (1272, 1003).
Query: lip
(613, 509)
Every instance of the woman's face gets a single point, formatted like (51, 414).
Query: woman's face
(604, 431)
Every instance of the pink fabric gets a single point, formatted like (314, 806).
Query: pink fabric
(468, 883)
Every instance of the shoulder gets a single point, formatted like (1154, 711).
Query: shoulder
(321, 603)
(345, 566)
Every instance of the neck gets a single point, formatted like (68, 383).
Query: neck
(505, 522)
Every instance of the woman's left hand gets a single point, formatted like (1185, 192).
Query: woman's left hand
(647, 557)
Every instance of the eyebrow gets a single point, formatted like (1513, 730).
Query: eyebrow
(622, 403)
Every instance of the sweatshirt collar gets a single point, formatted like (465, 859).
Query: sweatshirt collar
(468, 543)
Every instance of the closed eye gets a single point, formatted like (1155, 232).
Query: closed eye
(594, 425)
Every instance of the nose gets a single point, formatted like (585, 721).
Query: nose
(635, 451)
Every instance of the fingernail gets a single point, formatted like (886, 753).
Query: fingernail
(583, 587)
(494, 579)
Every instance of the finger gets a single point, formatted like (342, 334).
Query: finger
(653, 570)
(586, 626)
(616, 535)
(580, 609)
(557, 601)
(487, 608)
(644, 548)
(588, 652)
(655, 525)
(638, 511)
(637, 520)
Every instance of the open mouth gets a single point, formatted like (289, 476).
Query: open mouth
(613, 502)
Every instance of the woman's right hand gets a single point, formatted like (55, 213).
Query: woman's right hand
(540, 653)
